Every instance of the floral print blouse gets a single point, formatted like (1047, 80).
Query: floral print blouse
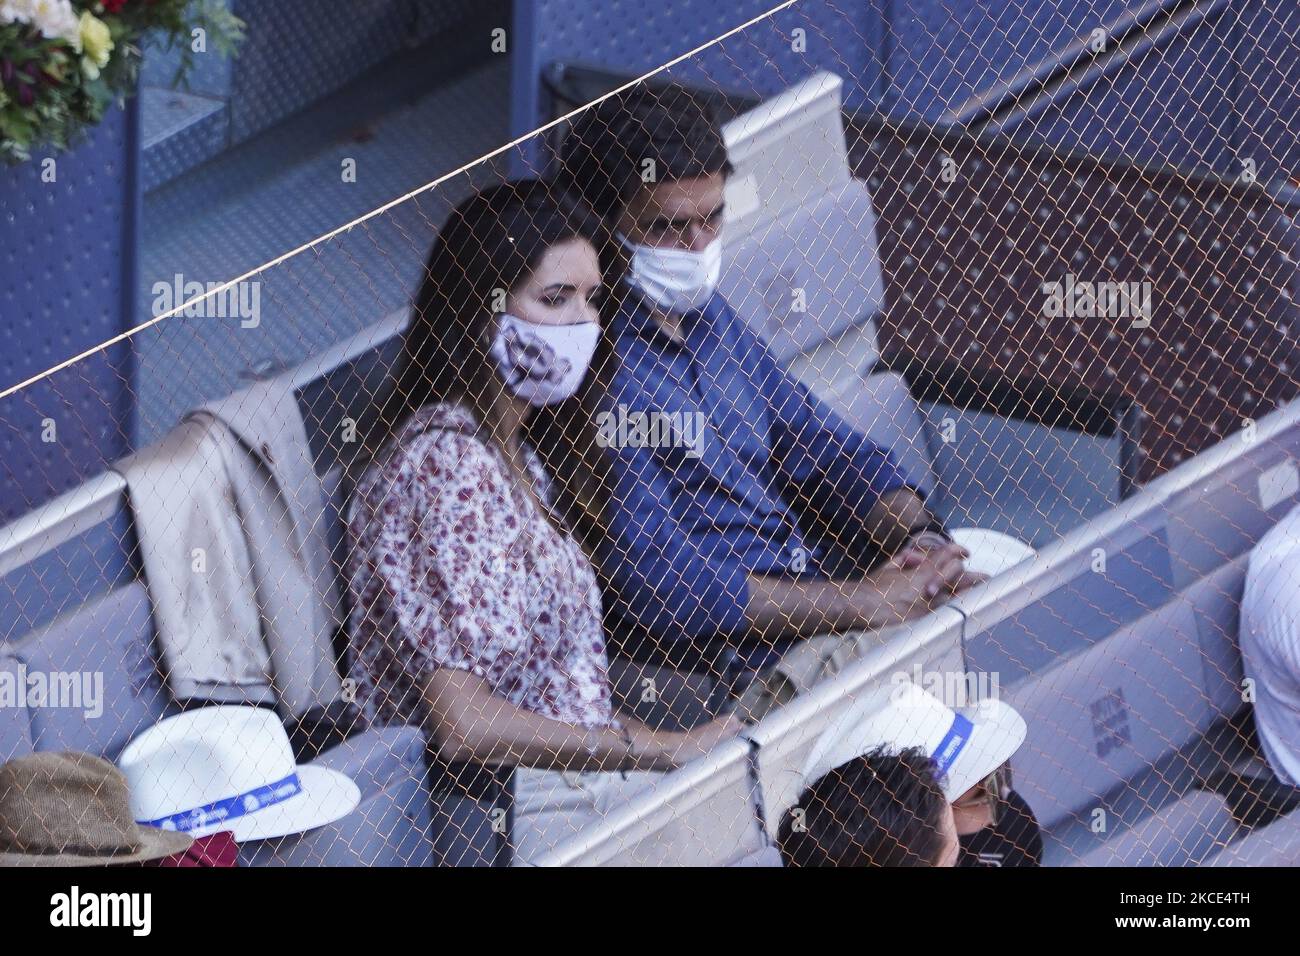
(452, 565)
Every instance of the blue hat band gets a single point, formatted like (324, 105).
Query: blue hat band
(230, 808)
(953, 743)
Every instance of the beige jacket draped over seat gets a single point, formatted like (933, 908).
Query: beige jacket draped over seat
(230, 519)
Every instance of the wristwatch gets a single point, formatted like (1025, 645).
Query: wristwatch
(932, 534)
(932, 525)
(927, 539)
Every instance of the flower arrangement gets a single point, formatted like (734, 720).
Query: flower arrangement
(62, 62)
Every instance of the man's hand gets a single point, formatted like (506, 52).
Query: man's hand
(913, 584)
(919, 545)
(907, 586)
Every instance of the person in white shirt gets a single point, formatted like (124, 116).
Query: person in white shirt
(1270, 644)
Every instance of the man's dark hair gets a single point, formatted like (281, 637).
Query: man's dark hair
(603, 155)
(881, 809)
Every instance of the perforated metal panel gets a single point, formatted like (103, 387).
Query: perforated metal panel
(635, 37)
(66, 248)
(1174, 104)
(958, 276)
(941, 53)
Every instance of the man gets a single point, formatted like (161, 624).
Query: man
(914, 783)
(755, 515)
(880, 809)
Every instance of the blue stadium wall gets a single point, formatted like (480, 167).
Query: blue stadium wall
(1223, 91)
(634, 38)
(67, 283)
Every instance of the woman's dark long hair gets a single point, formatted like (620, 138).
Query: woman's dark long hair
(489, 244)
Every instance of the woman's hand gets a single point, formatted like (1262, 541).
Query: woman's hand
(700, 740)
(666, 750)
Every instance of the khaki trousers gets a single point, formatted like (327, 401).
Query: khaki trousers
(553, 806)
(806, 665)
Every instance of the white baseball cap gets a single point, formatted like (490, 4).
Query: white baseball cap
(967, 744)
(230, 768)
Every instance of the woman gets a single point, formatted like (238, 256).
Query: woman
(996, 825)
(475, 612)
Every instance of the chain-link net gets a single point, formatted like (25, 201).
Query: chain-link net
(768, 477)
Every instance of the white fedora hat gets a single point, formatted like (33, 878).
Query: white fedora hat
(967, 744)
(230, 768)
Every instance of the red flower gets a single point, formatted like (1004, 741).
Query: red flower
(114, 6)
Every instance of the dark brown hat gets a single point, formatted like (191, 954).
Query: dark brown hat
(73, 809)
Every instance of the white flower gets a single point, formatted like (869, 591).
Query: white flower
(15, 11)
(55, 19)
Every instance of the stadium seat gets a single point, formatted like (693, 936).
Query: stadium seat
(471, 817)
(1232, 494)
(1101, 717)
(1125, 676)
(15, 727)
(800, 260)
(392, 826)
(1024, 478)
(109, 634)
(1277, 844)
(1075, 594)
(882, 406)
(802, 267)
(810, 277)
(1088, 644)
(1216, 601)
(110, 638)
(340, 393)
(1185, 833)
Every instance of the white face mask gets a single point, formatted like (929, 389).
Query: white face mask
(678, 280)
(543, 364)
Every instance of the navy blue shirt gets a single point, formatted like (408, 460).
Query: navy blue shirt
(717, 453)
